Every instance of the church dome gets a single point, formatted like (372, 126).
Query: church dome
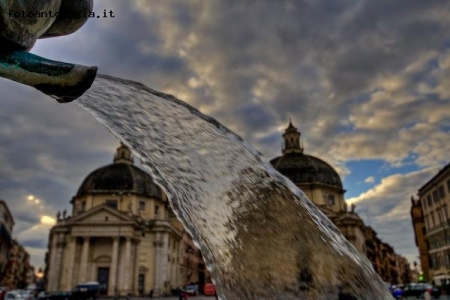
(301, 168)
(121, 176)
(306, 169)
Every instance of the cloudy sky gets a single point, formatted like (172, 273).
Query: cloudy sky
(366, 82)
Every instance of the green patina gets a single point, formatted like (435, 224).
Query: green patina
(36, 64)
(68, 92)
(21, 23)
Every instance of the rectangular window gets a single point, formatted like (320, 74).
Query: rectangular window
(156, 210)
(142, 205)
(83, 206)
(444, 213)
(435, 196)
(429, 201)
(111, 203)
(441, 192)
(438, 212)
(431, 220)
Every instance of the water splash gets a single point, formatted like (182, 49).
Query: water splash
(260, 236)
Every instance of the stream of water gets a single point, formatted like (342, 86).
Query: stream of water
(260, 236)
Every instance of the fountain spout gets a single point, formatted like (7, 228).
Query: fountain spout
(21, 24)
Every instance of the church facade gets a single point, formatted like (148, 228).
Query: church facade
(323, 186)
(122, 234)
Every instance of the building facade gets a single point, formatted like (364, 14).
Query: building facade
(434, 200)
(31, 276)
(193, 268)
(421, 241)
(17, 268)
(122, 234)
(323, 186)
(6, 228)
(404, 270)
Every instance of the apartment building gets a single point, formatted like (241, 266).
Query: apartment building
(6, 227)
(434, 197)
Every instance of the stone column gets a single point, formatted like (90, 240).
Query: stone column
(59, 259)
(178, 262)
(52, 274)
(164, 259)
(136, 267)
(71, 254)
(161, 263)
(82, 277)
(127, 269)
(122, 269)
(113, 268)
(157, 265)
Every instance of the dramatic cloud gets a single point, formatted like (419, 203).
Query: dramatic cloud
(386, 207)
(36, 237)
(362, 80)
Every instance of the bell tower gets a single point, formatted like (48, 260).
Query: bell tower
(292, 140)
(123, 155)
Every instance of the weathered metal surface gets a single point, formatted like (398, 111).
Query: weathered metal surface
(72, 15)
(19, 27)
(62, 81)
(24, 21)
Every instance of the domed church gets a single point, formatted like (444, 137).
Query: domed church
(122, 234)
(321, 184)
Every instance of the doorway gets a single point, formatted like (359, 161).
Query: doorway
(141, 284)
(103, 279)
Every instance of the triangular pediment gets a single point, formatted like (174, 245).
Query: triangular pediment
(101, 213)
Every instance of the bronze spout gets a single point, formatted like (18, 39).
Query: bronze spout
(63, 81)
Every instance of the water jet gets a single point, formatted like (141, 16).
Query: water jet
(259, 234)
